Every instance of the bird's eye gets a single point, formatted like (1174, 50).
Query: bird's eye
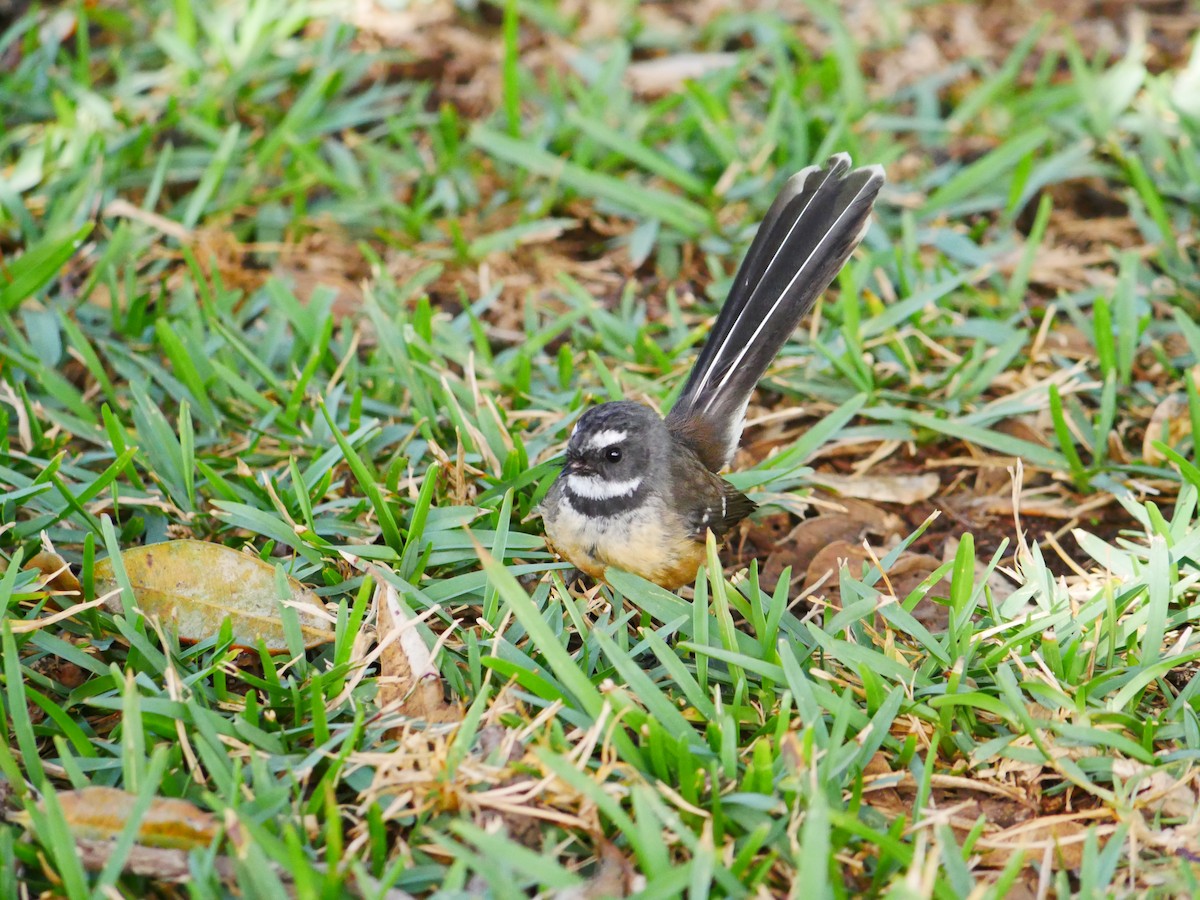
(613, 454)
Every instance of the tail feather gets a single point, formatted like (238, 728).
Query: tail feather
(809, 232)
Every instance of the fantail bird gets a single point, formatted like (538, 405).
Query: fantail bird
(639, 492)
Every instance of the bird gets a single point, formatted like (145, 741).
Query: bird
(639, 492)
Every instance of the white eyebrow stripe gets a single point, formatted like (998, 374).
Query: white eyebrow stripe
(594, 488)
(606, 436)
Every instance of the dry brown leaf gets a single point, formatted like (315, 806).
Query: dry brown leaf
(159, 863)
(829, 560)
(401, 24)
(805, 541)
(614, 875)
(1064, 834)
(1169, 423)
(664, 74)
(408, 677)
(193, 586)
(904, 489)
(171, 863)
(59, 578)
(850, 521)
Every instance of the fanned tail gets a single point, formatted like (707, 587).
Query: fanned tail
(809, 232)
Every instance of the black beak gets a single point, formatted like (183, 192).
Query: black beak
(578, 467)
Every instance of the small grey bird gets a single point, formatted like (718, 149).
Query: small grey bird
(640, 492)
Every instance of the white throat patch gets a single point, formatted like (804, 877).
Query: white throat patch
(593, 488)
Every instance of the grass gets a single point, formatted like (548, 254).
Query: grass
(332, 292)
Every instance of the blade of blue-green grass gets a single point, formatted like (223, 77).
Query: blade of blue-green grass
(268, 524)
(703, 863)
(506, 240)
(953, 866)
(962, 593)
(985, 173)
(87, 353)
(995, 86)
(665, 606)
(464, 739)
(149, 782)
(510, 72)
(507, 858)
(681, 678)
(1155, 205)
(213, 175)
(655, 701)
(300, 494)
(550, 648)
(117, 438)
(802, 688)
(8, 865)
(57, 388)
(974, 700)
(316, 356)
(710, 111)
(1032, 453)
(851, 81)
(120, 576)
(160, 443)
(185, 366)
(900, 618)
(73, 503)
(80, 741)
(720, 606)
(1187, 469)
(1125, 315)
(637, 152)
(38, 266)
(187, 453)
(855, 656)
(133, 738)
(1019, 282)
(1066, 441)
(54, 834)
(1104, 338)
(18, 709)
(290, 619)
(1158, 599)
(894, 314)
(1106, 417)
(1183, 324)
(815, 436)
(815, 844)
(387, 522)
(680, 214)
(612, 387)
(650, 828)
(608, 805)
(1124, 698)
(736, 662)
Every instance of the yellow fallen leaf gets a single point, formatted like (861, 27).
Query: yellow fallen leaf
(193, 586)
(101, 813)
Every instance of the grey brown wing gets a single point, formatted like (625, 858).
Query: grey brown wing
(721, 510)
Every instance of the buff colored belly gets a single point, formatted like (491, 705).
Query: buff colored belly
(635, 542)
